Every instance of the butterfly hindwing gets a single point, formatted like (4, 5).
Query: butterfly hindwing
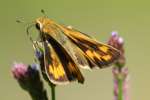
(53, 67)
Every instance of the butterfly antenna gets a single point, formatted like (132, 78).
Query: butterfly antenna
(20, 20)
(43, 12)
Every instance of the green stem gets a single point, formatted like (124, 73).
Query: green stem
(53, 91)
(120, 92)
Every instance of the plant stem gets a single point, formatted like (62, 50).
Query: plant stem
(120, 91)
(53, 91)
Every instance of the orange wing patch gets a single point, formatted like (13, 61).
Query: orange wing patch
(104, 49)
(106, 57)
(57, 71)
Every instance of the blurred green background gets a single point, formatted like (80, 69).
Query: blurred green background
(131, 18)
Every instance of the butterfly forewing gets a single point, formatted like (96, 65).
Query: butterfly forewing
(98, 53)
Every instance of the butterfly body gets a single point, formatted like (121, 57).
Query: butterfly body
(66, 49)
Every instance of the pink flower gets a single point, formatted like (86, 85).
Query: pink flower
(117, 42)
(19, 70)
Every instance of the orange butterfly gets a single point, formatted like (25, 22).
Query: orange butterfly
(67, 49)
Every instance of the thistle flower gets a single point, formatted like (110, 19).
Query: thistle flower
(29, 79)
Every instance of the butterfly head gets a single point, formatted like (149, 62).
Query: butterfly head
(42, 24)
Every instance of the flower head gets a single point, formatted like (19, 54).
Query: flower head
(25, 74)
(117, 42)
(19, 70)
(28, 78)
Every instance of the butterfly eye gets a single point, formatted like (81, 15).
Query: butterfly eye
(37, 25)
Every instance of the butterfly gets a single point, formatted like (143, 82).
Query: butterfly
(66, 49)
